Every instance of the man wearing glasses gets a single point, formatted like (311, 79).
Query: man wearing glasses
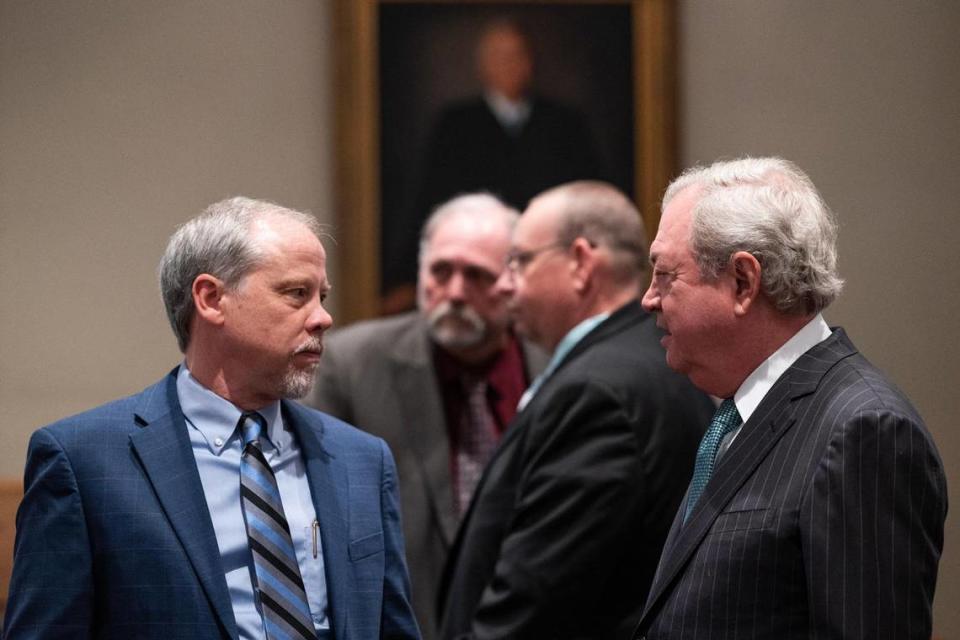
(566, 525)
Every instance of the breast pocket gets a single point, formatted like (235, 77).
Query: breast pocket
(366, 546)
(741, 520)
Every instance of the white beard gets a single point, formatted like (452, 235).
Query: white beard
(456, 327)
(297, 382)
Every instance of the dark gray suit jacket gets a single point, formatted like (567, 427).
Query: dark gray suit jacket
(379, 375)
(824, 519)
(564, 532)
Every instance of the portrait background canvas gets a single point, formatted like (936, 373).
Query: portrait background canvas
(582, 59)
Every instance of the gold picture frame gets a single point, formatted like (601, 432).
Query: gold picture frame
(357, 177)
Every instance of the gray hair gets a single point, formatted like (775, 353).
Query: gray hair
(468, 205)
(769, 208)
(217, 242)
(604, 216)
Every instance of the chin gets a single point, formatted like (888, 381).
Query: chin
(677, 364)
(297, 382)
(453, 341)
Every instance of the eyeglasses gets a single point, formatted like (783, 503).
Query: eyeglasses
(517, 261)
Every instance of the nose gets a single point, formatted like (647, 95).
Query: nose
(319, 320)
(505, 283)
(651, 298)
(457, 287)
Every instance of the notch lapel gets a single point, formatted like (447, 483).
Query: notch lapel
(422, 412)
(756, 439)
(162, 445)
(774, 417)
(506, 447)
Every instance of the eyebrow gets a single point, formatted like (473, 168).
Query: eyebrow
(457, 263)
(304, 281)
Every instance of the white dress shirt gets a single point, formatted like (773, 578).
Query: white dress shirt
(761, 380)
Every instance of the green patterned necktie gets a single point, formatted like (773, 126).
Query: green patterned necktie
(725, 420)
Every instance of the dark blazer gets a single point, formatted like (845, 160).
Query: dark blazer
(564, 532)
(114, 538)
(379, 375)
(469, 150)
(824, 519)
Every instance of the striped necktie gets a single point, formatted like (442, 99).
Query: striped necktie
(724, 421)
(283, 600)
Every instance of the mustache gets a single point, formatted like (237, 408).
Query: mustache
(311, 345)
(464, 313)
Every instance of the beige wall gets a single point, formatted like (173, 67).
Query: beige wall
(866, 97)
(118, 120)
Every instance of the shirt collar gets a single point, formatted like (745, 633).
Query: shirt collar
(573, 337)
(759, 383)
(510, 113)
(216, 418)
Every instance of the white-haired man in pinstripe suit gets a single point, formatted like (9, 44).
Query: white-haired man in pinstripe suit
(823, 516)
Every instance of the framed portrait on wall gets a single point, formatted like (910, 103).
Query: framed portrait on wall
(416, 123)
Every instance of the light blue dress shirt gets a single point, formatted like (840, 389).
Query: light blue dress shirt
(212, 426)
(569, 341)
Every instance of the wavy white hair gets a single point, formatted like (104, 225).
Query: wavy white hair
(769, 208)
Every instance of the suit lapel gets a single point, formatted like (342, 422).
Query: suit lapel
(625, 317)
(506, 446)
(328, 477)
(621, 319)
(423, 416)
(162, 445)
(749, 449)
(535, 359)
(772, 419)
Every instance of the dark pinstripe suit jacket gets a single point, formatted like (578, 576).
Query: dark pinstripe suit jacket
(824, 519)
(114, 538)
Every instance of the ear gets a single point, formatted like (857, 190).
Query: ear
(584, 262)
(208, 292)
(746, 273)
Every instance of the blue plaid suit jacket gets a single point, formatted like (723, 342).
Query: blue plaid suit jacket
(114, 539)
